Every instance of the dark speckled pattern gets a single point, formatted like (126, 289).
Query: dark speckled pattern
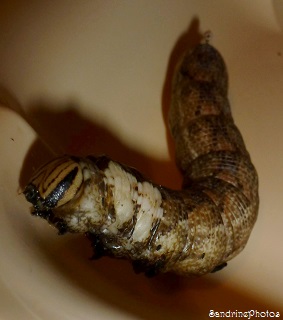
(192, 231)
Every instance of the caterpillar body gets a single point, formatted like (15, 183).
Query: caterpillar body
(192, 231)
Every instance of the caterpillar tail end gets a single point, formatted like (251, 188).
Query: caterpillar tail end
(207, 36)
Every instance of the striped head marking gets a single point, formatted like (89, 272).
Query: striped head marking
(54, 184)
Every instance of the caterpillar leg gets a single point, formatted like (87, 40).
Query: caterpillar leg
(219, 267)
(150, 270)
(99, 250)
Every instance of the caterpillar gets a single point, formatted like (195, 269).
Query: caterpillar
(192, 231)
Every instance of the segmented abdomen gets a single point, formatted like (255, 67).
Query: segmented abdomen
(192, 231)
(211, 154)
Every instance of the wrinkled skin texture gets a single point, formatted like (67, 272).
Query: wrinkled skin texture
(192, 231)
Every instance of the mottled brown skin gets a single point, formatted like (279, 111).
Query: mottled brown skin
(211, 153)
(192, 231)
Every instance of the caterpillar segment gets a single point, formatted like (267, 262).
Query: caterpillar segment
(193, 231)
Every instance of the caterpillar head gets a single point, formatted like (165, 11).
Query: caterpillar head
(54, 185)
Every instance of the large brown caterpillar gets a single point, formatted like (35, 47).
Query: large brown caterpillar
(192, 231)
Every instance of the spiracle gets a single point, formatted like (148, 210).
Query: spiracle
(192, 231)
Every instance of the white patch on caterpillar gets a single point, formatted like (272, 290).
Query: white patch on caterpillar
(123, 186)
(129, 193)
(149, 199)
(87, 211)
